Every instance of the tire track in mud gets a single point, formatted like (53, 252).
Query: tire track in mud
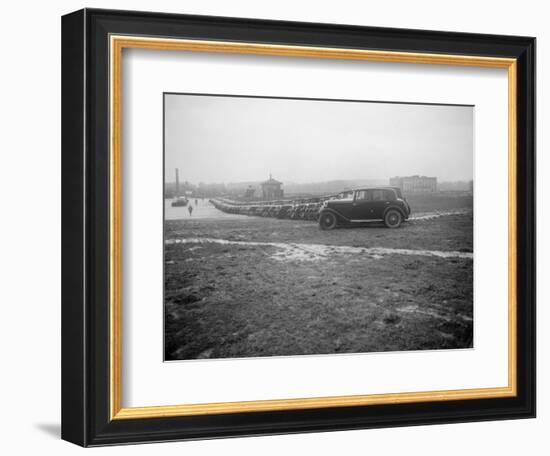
(422, 216)
(315, 252)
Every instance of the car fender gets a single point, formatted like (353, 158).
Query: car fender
(339, 216)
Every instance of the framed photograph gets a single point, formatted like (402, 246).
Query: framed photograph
(278, 227)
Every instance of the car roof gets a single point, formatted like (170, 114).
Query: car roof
(376, 188)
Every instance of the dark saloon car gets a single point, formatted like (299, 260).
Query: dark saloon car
(380, 204)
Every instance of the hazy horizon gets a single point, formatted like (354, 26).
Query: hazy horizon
(221, 139)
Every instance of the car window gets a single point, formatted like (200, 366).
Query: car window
(398, 193)
(374, 195)
(370, 195)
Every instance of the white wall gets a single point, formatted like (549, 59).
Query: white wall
(30, 229)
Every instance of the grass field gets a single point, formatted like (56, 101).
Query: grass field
(255, 286)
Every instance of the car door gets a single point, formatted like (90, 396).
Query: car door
(362, 206)
(381, 199)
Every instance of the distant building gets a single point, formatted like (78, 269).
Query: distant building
(249, 192)
(415, 184)
(271, 189)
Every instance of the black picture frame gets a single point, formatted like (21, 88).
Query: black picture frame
(85, 228)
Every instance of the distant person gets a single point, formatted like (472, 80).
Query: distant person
(196, 202)
(190, 209)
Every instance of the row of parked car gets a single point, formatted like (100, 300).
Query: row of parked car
(364, 205)
(297, 210)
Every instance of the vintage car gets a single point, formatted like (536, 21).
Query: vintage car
(180, 201)
(380, 204)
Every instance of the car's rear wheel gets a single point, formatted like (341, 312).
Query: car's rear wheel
(393, 218)
(327, 221)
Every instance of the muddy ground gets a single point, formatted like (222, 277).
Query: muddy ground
(284, 295)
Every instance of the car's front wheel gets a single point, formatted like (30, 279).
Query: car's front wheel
(327, 221)
(393, 218)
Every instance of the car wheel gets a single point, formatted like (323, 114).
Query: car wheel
(327, 221)
(393, 218)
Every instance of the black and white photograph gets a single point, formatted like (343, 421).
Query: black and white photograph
(316, 226)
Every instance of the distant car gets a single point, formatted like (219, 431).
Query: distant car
(180, 201)
(380, 204)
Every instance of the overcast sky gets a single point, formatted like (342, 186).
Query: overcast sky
(233, 139)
